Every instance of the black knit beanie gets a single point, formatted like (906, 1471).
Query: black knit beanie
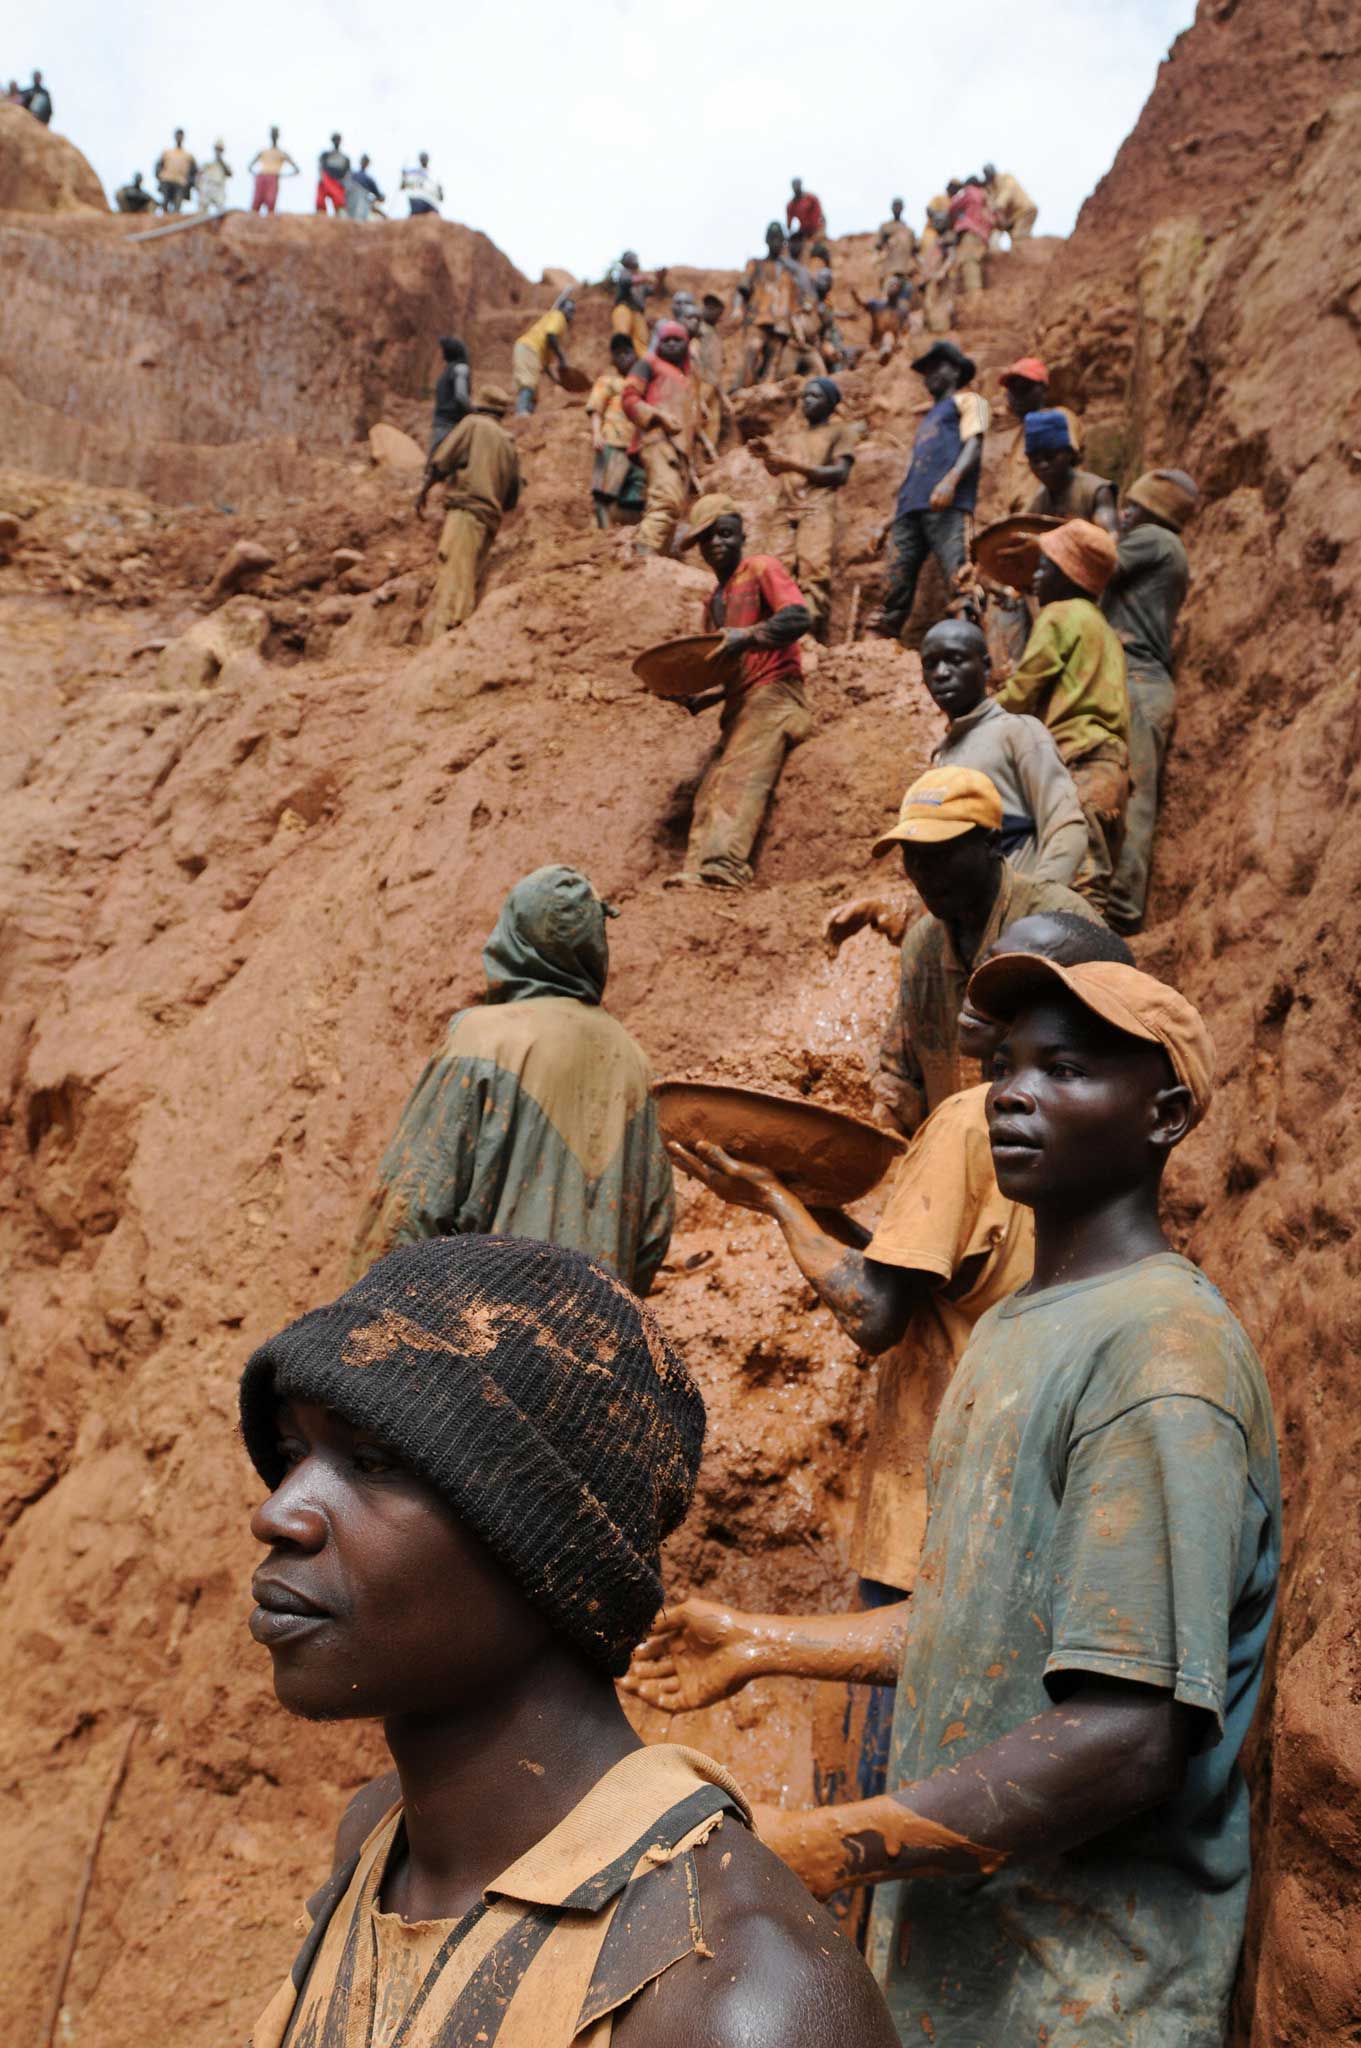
(534, 1393)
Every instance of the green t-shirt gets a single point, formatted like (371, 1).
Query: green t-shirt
(1104, 1498)
(1145, 595)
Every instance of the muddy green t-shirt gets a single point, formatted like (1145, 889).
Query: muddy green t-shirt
(1104, 1497)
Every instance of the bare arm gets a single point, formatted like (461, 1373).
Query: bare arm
(700, 1651)
(872, 1302)
(970, 457)
(1109, 1752)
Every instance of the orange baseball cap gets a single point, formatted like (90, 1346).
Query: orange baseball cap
(1083, 550)
(1028, 370)
(942, 804)
(1125, 997)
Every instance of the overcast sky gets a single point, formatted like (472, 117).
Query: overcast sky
(567, 131)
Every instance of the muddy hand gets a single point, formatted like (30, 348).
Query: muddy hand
(844, 920)
(745, 1186)
(698, 1652)
(788, 1832)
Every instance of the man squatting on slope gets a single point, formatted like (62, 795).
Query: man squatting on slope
(472, 1459)
(535, 1117)
(1064, 1855)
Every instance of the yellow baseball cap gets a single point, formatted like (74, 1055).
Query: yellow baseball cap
(942, 804)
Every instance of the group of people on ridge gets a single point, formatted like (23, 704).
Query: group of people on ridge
(1067, 1527)
(343, 186)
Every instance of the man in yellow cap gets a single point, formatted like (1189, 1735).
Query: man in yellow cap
(760, 610)
(949, 837)
(1142, 601)
(1072, 675)
(1086, 1639)
(481, 475)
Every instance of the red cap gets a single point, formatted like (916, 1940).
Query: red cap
(1030, 369)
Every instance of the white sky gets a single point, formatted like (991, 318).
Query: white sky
(567, 131)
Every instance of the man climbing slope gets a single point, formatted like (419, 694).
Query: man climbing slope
(480, 471)
(810, 462)
(761, 612)
(534, 1117)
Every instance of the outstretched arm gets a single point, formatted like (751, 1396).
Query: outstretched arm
(700, 1652)
(872, 1302)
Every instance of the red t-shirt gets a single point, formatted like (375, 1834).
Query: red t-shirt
(807, 211)
(970, 212)
(758, 587)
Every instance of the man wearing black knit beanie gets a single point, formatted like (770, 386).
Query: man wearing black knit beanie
(474, 1456)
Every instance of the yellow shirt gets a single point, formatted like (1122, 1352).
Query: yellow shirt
(542, 332)
(616, 429)
(945, 1216)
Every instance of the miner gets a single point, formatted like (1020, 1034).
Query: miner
(534, 1118)
(1072, 675)
(480, 471)
(1066, 490)
(940, 489)
(1142, 601)
(1063, 1855)
(539, 348)
(617, 480)
(661, 401)
(777, 303)
(760, 610)
(472, 1459)
(267, 166)
(949, 838)
(811, 462)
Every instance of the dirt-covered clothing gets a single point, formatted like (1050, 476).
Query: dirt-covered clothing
(1146, 593)
(534, 1119)
(1072, 675)
(945, 1216)
(1079, 499)
(776, 289)
(1044, 833)
(759, 587)
(756, 731)
(1152, 714)
(605, 404)
(919, 1057)
(566, 1938)
(655, 387)
(939, 442)
(1105, 1502)
(480, 469)
(805, 531)
(895, 245)
(1014, 484)
(1014, 212)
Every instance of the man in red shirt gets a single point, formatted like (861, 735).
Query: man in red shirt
(806, 209)
(661, 398)
(761, 613)
(971, 218)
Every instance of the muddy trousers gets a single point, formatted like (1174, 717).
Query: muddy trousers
(1152, 711)
(804, 542)
(463, 546)
(969, 253)
(757, 730)
(914, 536)
(526, 369)
(667, 497)
(1102, 784)
(1022, 225)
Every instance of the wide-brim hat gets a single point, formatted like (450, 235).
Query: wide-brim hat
(948, 352)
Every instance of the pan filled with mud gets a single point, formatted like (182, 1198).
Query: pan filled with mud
(684, 667)
(1008, 551)
(826, 1156)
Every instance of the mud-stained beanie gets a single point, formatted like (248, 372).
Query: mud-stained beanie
(536, 1395)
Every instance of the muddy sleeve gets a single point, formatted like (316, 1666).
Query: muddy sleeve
(900, 1085)
(659, 1208)
(1146, 1551)
(1038, 669)
(1052, 800)
(444, 1168)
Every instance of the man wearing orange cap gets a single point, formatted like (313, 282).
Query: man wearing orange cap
(661, 398)
(949, 836)
(1072, 675)
(761, 612)
(1086, 1639)
(1025, 386)
(1142, 601)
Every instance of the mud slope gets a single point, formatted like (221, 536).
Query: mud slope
(249, 857)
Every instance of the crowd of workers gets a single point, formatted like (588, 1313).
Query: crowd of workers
(1067, 1532)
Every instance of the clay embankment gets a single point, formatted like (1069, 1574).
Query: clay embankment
(240, 905)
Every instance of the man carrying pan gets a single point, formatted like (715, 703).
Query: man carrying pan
(761, 612)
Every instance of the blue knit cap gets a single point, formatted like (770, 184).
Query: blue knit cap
(1046, 432)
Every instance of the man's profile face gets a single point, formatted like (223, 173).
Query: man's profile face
(818, 405)
(374, 1599)
(1049, 584)
(721, 544)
